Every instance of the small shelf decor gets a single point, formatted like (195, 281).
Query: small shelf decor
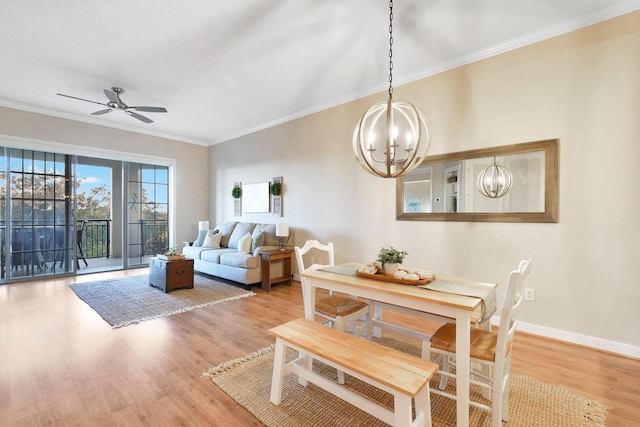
(275, 189)
(236, 193)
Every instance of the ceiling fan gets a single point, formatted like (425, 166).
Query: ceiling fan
(115, 103)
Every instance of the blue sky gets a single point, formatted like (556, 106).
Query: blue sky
(91, 177)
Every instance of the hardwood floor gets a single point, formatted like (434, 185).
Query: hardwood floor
(62, 365)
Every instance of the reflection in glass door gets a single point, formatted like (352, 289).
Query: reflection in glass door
(147, 212)
(38, 234)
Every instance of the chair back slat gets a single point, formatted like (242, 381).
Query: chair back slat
(512, 301)
(310, 245)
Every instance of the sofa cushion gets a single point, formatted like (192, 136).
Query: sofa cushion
(212, 240)
(194, 252)
(237, 259)
(244, 244)
(201, 236)
(226, 228)
(240, 230)
(257, 239)
(269, 234)
(213, 255)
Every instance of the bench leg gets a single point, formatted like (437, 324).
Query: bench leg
(423, 407)
(278, 372)
(402, 410)
(307, 362)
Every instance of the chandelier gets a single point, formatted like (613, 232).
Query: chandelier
(392, 138)
(495, 181)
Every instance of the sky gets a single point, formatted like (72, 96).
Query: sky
(91, 177)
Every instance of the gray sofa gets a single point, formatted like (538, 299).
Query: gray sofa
(227, 262)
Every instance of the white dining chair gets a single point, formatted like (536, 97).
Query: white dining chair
(341, 312)
(488, 349)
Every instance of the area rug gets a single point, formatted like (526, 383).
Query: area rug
(248, 381)
(129, 300)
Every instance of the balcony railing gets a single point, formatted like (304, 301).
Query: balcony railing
(154, 236)
(95, 242)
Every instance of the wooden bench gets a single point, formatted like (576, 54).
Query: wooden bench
(404, 376)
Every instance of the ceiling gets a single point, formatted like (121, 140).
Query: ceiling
(224, 69)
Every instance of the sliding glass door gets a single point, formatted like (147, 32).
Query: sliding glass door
(61, 214)
(147, 212)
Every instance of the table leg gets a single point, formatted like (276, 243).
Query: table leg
(309, 302)
(308, 298)
(463, 363)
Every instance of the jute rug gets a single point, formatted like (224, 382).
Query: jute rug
(248, 381)
(129, 300)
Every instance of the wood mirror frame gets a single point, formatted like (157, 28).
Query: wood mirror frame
(550, 213)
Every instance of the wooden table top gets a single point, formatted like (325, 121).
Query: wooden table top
(402, 290)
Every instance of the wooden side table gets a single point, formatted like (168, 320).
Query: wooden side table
(267, 259)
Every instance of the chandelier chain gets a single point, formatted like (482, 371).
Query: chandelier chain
(390, 49)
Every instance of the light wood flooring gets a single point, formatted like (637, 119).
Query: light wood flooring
(62, 365)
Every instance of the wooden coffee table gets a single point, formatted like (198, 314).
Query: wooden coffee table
(170, 275)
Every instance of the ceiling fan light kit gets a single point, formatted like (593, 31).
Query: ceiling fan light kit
(116, 103)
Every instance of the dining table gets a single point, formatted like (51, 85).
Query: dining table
(420, 299)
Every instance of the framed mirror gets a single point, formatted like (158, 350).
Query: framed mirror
(445, 187)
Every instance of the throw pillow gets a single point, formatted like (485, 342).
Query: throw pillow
(212, 240)
(201, 235)
(244, 244)
(257, 240)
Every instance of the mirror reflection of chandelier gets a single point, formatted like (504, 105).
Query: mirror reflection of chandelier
(495, 181)
(392, 138)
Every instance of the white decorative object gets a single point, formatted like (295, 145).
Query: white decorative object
(390, 268)
(255, 197)
(282, 232)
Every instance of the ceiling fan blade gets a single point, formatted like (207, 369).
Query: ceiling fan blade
(101, 112)
(113, 97)
(149, 109)
(82, 99)
(139, 116)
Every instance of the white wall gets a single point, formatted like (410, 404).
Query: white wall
(583, 88)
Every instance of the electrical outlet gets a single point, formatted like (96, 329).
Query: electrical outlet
(529, 294)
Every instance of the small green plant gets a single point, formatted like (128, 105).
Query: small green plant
(275, 189)
(172, 250)
(236, 192)
(391, 255)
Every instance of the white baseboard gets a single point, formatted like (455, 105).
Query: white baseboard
(574, 338)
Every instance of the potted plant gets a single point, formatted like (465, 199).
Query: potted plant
(170, 254)
(236, 193)
(275, 189)
(390, 258)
